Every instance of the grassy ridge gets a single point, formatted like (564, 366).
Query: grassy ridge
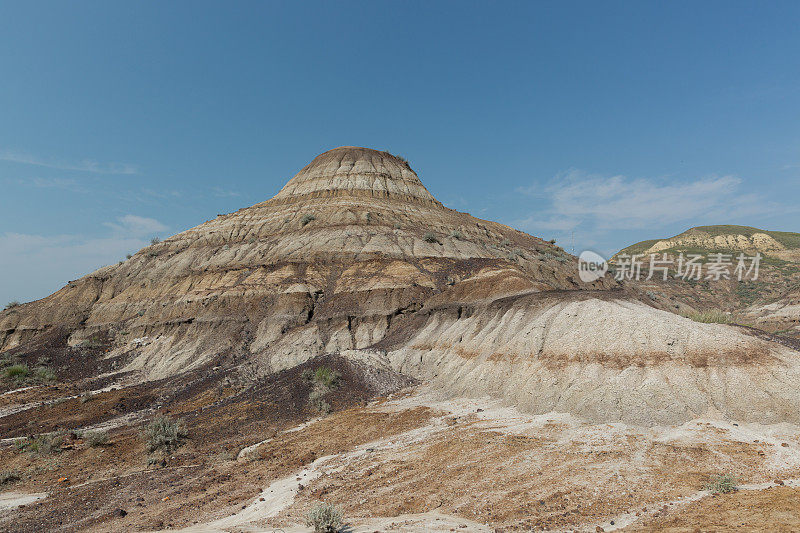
(787, 238)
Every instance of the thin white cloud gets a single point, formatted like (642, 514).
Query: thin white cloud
(223, 193)
(619, 202)
(40, 265)
(86, 165)
(49, 183)
(135, 226)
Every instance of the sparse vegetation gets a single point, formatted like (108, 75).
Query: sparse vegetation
(43, 374)
(430, 237)
(18, 373)
(324, 518)
(552, 241)
(721, 483)
(325, 377)
(712, 316)
(306, 219)
(155, 240)
(401, 158)
(323, 380)
(457, 235)
(44, 444)
(128, 256)
(96, 438)
(22, 373)
(369, 216)
(12, 305)
(505, 242)
(164, 435)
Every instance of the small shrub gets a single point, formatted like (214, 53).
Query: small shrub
(45, 444)
(18, 373)
(650, 294)
(397, 225)
(721, 483)
(430, 237)
(8, 476)
(306, 219)
(505, 242)
(324, 518)
(44, 374)
(552, 241)
(12, 305)
(369, 217)
(164, 435)
(128, 256)
(713, 316)
(324, 377)
(457, 235)
(324, 380)
(155, 240)
(96, 438)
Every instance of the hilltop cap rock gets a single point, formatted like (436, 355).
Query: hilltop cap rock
(352, 170)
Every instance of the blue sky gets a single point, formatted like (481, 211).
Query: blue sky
(618, 121)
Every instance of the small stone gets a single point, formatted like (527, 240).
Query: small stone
(785, 444)
(779, 482)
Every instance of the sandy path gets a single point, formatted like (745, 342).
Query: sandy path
(11, 500)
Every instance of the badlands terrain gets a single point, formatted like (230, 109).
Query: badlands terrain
(355, 342)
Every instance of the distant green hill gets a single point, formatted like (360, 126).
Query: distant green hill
(707, 238)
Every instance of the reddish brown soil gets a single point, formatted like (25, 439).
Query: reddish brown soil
(774, 509)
